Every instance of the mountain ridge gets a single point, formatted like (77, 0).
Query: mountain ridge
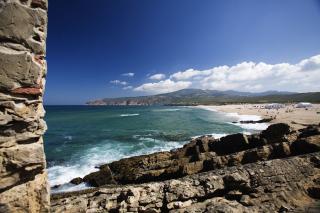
(199, 96)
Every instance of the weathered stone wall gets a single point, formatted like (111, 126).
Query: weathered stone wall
(23, 179)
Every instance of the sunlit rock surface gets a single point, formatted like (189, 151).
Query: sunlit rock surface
(23, 179)
(277, 170)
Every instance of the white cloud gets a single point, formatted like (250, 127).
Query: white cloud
(303, 76)
(188, 74)
(129, 74)
(158, 76)
(127, 87)
(163, 86)
(118, 82)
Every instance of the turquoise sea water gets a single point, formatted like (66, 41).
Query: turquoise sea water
(79, 138)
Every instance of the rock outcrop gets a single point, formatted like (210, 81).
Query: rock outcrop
(23, 180)
(206, 153)
(270, 186)
(277, 170)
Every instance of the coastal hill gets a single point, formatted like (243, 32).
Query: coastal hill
(198, 96)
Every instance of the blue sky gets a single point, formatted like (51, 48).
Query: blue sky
(244, 45)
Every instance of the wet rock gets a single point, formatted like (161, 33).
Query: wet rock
(102, 177)
(76, 180)
(205, 154)
(265, 120)
(256, 173)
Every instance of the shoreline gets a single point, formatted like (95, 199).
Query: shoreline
(245, 112)
(295, 117)
(247, 129)
(215, 172)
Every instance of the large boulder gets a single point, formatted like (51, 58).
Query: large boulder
(99, 178)
(76, 181)
(230, 144)
(276, 132)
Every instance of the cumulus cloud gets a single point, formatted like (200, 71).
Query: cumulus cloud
(188, 74)
(118, 82)
(158, 76)
(303, 76)
(128, 74)
(163, 86)
(127, 88)
(250, 76)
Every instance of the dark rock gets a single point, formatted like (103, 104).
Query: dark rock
(283, 209)
(76, 180)
(316, 161)
(276, 132)
(265, 120)
(309, 131)
(56, 186)
(102, 177)
(230, 144)
(314, 192)
(205, 154)
(39, 3)
(306, 145)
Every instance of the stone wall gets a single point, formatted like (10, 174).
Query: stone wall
(23, 179)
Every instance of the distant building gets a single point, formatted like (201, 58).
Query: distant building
(274, 106)
(303, 105)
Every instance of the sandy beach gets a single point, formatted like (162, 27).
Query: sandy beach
(296, 117)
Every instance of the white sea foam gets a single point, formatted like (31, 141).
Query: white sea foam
(85, 164)
(68, 137)
(128, 115)
(244, 117)
(215, 135)
(238, 118)
(157, 145)
(110, 151)
(219, 135)
(70, 187)
(256, 126)
(166, 110)
(251, 126)
(106, 153)
(209, 108)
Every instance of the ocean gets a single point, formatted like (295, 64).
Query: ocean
(80, 138)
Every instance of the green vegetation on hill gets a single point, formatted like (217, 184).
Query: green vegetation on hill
(206, 97)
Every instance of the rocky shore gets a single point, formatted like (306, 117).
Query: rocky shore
(274, 171)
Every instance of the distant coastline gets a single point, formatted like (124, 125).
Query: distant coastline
(194, 97)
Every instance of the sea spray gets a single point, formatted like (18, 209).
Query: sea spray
(81, 138)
